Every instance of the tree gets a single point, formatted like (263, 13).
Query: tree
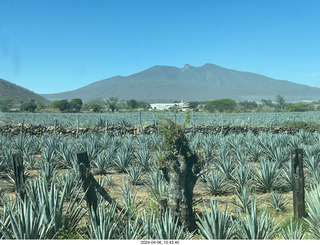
(6, 104)
(75, 105)
(29, 106)
(298, 107)
(281, 101)
(267, 103)
(222, 105)
(175, 108)
(96, 104)
(112, 103)
(181, 169)
(132, 104)
(194, 105)
(62, 105)
(144, 105)
(248, 105)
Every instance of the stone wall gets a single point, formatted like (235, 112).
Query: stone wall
(39, 130)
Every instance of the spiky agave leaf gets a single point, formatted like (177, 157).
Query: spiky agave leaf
(103, 223)
(48, 154)
(267, 176)
(143, 158)
(313, 204)
(245, 198)
(129, 198)
(277, 201)
(47, 171)
(215, 183)
(167, 227)
(65, 217)
(148, 221)
(134, 174)
(132, 227)
(293, 233)
(156, 185)
(27, 222)
(123, 159)
(101, 165)
(254, 227)
(214, 224)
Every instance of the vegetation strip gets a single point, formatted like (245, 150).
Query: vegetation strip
(39, 130)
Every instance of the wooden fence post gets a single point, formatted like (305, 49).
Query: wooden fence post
(22, 126)
(90, 185)
(141, 128)
(107, 126)
(77, 132)
(19, 178)
(88, 188)
(299, 209)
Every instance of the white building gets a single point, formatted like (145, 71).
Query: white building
(166, 106)
(162, 106)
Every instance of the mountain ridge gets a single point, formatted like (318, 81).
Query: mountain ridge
(17, 93)
(162, 83)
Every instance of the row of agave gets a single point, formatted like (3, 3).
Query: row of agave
(136, 118)
(236, 163)
(57, 211)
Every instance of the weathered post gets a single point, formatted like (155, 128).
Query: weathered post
(162, 205)
(141, 128)
(299, 209)
(55, 126)
(19, 178)
(194, 122)
(106, 126)
(22, 126)
(77, 132)
(88, 188)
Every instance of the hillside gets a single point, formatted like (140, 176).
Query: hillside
(207, 82)
(16, 93)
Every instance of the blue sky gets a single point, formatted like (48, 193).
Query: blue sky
(53, 46)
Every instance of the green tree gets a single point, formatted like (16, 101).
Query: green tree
(144, 105)
(248, 105)
(75, 105)
(298, 107)
(267, 103)
(193, 105)
(96, 104)
(61, 105)
(132, 104)
(29, 106)
(6, 104)
(281, 101)
(181, 169)
(221, 105)
(112, 103)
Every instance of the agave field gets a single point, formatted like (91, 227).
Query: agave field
(245, 194)
(147, 118)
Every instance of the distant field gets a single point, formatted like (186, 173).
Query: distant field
(248, 174)
(136, 118)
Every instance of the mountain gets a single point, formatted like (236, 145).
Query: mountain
(18, 94)
(207, 82)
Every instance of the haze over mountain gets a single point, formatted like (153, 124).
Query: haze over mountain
(17, 93)
(207, 82)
